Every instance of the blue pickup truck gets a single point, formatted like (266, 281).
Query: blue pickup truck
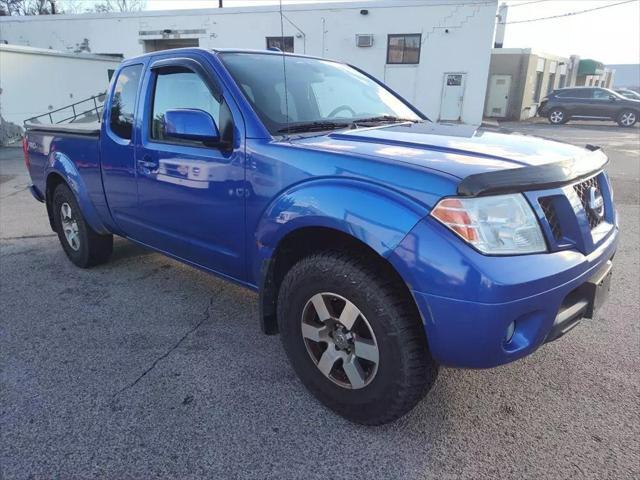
(382, 245)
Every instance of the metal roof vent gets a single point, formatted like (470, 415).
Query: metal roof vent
(364, 40)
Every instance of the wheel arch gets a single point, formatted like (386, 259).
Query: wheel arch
(303, 242)
(634, 110)
(53, 180)
(327, 213)
(62, 170)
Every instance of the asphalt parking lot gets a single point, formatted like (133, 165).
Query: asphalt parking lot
(146, 368)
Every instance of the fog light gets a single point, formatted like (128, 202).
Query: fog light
(510, 329)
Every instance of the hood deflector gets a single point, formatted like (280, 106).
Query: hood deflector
(536, 177)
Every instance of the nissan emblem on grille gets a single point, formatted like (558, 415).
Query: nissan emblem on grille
(591, 198)
(596, 203)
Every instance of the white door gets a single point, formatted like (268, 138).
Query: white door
(498, 98)
(452, 96)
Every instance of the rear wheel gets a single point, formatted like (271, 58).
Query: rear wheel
(557, 116)
(627, 118)
(353, 338)
(80, 242)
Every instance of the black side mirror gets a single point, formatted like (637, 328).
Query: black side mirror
(613, 98)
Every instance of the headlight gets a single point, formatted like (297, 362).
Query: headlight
(498, 225)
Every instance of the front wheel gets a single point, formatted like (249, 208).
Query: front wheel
(557, 116)
(80, 242)
(354, 339)
(627, 118)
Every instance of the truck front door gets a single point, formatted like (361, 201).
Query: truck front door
(117, 146)
(191, 196)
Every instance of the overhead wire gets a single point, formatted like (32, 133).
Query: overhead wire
(568, 14)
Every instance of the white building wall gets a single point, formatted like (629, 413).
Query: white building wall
(34, 81)
(456, 37)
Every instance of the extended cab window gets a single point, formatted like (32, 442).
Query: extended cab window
(180, 88)
(124, 101)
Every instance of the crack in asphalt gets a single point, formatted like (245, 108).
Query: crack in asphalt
(206, 315)
(27, 237)
(21, 252)
(14, 192)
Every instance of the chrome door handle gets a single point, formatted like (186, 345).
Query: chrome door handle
(147, 163)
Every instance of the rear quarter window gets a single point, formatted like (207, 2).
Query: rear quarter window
(123, 102)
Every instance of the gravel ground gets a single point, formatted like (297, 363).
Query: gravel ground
(146, 368)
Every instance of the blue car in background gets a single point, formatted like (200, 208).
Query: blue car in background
(382, 245)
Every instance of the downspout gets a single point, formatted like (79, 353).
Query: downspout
(324, 31)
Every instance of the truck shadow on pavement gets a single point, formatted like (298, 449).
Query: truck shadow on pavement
(196, 360)
(124, 250)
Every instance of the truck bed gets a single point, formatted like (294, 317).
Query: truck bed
(71, 148)
(84, 129)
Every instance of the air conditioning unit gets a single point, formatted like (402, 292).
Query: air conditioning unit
(364, 40)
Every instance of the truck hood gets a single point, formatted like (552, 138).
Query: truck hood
(457, 150)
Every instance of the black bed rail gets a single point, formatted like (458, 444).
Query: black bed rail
(73, 112)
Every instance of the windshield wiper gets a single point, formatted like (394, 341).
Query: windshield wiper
(383, 118)
(313, 127)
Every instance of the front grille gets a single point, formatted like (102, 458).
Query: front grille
(552, 217)
(582, 190)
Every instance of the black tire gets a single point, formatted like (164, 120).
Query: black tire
(627, 118)
(405, 371)
(558, 116)
(87, 248)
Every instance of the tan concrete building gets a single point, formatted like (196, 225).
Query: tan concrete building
(519, 78)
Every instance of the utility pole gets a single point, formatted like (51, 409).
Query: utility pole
(500, 26)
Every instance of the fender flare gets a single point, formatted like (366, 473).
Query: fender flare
(60, 164)
(371, 213)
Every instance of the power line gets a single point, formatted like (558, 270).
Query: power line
(568, 14)
(527, 3)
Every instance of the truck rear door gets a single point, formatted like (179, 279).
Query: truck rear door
(191, 196)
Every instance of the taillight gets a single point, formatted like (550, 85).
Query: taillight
(25, 150)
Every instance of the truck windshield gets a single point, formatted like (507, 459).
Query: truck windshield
(320, 95)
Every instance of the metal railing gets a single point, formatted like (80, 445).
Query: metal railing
(74, 112)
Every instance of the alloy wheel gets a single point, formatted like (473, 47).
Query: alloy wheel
(627, 119)
(340, 340)
(556, 116)
(70, 226)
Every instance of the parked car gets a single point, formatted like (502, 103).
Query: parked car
(590, 103)
(382, 245)
(625, 92)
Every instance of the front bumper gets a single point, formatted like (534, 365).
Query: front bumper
(472, 334)
(473, 299)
